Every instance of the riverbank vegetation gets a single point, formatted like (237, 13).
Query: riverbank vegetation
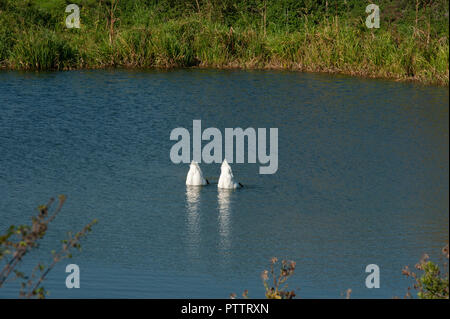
(412, 42)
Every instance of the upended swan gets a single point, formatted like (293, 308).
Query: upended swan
(195, 175)
(226, 179)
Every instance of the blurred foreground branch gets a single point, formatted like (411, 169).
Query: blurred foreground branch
(431, 284)
(18, 241)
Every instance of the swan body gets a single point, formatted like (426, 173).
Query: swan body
(195, 175)
(226, 179)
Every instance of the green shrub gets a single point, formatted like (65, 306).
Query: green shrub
(431, 284)
(42, 51)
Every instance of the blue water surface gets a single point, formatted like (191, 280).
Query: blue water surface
(363, 178)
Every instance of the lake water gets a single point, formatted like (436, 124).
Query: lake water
(363, 178)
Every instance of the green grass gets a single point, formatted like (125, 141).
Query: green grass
(316, 36)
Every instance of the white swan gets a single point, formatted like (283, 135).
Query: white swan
(195, 175)
(226, 179)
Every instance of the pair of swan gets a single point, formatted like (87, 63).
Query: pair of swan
(226, 180)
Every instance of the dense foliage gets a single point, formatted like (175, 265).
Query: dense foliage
(309, 35)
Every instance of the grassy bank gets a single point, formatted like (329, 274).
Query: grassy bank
(412, 42)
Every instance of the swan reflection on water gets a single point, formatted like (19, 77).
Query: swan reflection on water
(224, 200)
(193, 198)
(193, 217)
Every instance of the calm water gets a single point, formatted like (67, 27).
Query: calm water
(363, 178)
